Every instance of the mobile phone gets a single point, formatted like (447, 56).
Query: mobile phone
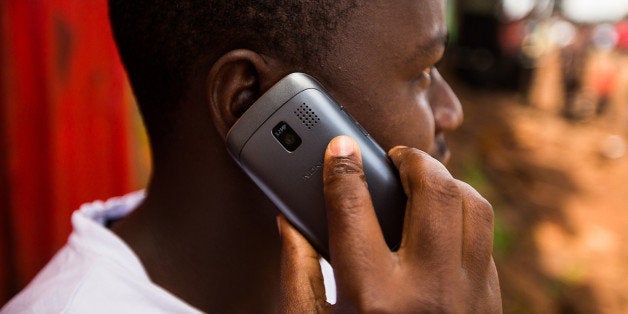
(280, 143)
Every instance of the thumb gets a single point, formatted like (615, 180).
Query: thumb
(301, 281)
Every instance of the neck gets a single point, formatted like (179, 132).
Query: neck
(207, 234)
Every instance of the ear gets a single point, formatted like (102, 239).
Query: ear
(234, 83)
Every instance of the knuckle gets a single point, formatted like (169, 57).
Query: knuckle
(480, 215)
(485, 212)
(342, 185)
(446, 189)
(341, 167)
(424, 172)
(481, 208)
(444, 192)
(345, 165)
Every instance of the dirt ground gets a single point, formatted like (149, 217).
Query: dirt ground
(558, 187)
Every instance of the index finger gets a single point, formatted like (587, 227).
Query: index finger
(433, 220)
(301, 280)
(355, 237)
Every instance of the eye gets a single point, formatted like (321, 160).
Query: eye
(425, 79)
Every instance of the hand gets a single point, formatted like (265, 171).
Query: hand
(444, 263)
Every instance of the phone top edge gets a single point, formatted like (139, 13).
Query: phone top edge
(265, 106)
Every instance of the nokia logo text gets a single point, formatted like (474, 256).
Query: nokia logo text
(312, 171)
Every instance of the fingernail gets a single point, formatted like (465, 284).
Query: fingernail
(392, 150)
(341, 146)
(399, 147)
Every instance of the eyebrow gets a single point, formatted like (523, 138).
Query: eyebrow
(429, 47)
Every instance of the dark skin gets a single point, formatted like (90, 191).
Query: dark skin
(207, 234)
(444, 263)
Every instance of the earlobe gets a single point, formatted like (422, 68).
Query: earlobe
(234, 82)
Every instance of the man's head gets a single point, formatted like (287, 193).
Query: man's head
(165, 44)
(375, 57)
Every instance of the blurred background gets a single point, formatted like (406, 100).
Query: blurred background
(544, 85)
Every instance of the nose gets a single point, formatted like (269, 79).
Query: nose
(445, 105)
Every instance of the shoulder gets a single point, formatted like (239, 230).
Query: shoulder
(96, 272)
(78, 283)
(53, 288)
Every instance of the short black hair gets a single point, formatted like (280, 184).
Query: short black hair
(162, 42)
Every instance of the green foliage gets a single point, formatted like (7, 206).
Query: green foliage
(474, 174)
(502, 241)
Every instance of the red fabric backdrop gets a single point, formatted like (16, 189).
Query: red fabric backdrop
(66, 127)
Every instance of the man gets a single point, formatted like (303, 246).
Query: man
(205, 236)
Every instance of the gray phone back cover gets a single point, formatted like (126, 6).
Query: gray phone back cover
(293, 180)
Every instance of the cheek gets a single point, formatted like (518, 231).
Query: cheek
(396, 120)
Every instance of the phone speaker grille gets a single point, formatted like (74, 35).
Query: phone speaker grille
(307, 116)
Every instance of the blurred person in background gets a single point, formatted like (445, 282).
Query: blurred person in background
(588, 69)
(204, 237)
(578, 36)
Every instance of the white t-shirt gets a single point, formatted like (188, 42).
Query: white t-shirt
(96, 272)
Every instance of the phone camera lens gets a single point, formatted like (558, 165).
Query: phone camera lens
(288, 138)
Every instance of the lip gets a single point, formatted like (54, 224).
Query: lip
(440, 149)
